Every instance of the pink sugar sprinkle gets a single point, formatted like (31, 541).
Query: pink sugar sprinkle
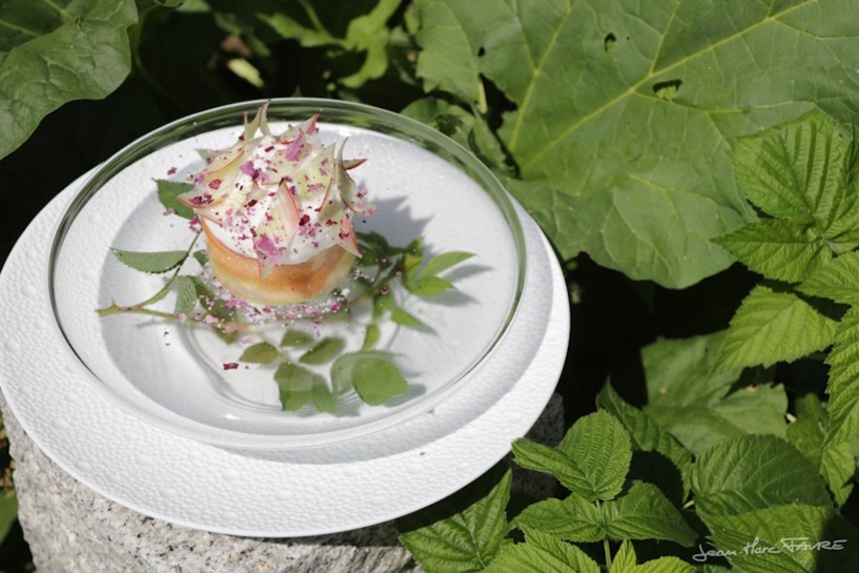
(171, 171)
(231, 365)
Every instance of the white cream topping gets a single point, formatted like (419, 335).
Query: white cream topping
(279, 199)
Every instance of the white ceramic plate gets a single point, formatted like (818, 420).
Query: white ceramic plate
(173, 375)
(272, 493)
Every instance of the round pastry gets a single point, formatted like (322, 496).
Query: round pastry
(277, 213)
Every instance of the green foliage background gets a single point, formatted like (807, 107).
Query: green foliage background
(613, 122)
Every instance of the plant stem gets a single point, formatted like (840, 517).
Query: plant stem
(162, 292)
(58, 9)
(18, 28)
(607, 548)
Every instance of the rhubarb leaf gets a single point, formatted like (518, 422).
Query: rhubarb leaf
(624, 113)
(55, 52)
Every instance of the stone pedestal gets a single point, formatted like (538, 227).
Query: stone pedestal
(71, 529)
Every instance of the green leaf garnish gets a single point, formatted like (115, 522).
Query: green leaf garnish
(323, 351)
(296, 385)
(371, 336)
(186, 296)
(443, 262)
(323, 400)
(201, 257)
(428, 286)
(260, 353)
(403, 318)
(151, 262)
(371, 373)
(167, 193)
(297, 338)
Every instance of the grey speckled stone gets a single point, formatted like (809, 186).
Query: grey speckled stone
(72, 529)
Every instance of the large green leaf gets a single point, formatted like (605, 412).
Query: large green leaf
(835, 462)
(592, 460)
(467, 541)
(754, 472)
(752, 410)
(843, 388)
(683, 372)
(645, 513)
(835, 280)
(787, 538)
(573, 519)
(542, 553)
(55, 52)
(625, 111)
(648, 436)
(642, 512)
(688, 394)
(626, 561)
(803, 173)
(773, 326)
(348, 30)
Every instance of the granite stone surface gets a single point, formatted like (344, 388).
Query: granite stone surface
(72, 529)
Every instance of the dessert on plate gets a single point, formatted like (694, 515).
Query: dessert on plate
(277, 213)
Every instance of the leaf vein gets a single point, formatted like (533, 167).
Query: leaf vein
(740, 34)
(538, 68)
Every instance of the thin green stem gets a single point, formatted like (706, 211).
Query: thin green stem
(58, 9)
(18, 28)
(162, 292)
(314, 19)
(607, 548)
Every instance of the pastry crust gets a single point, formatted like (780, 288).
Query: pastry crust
(285, 284)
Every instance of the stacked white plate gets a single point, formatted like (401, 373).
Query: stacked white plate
(148, 424)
